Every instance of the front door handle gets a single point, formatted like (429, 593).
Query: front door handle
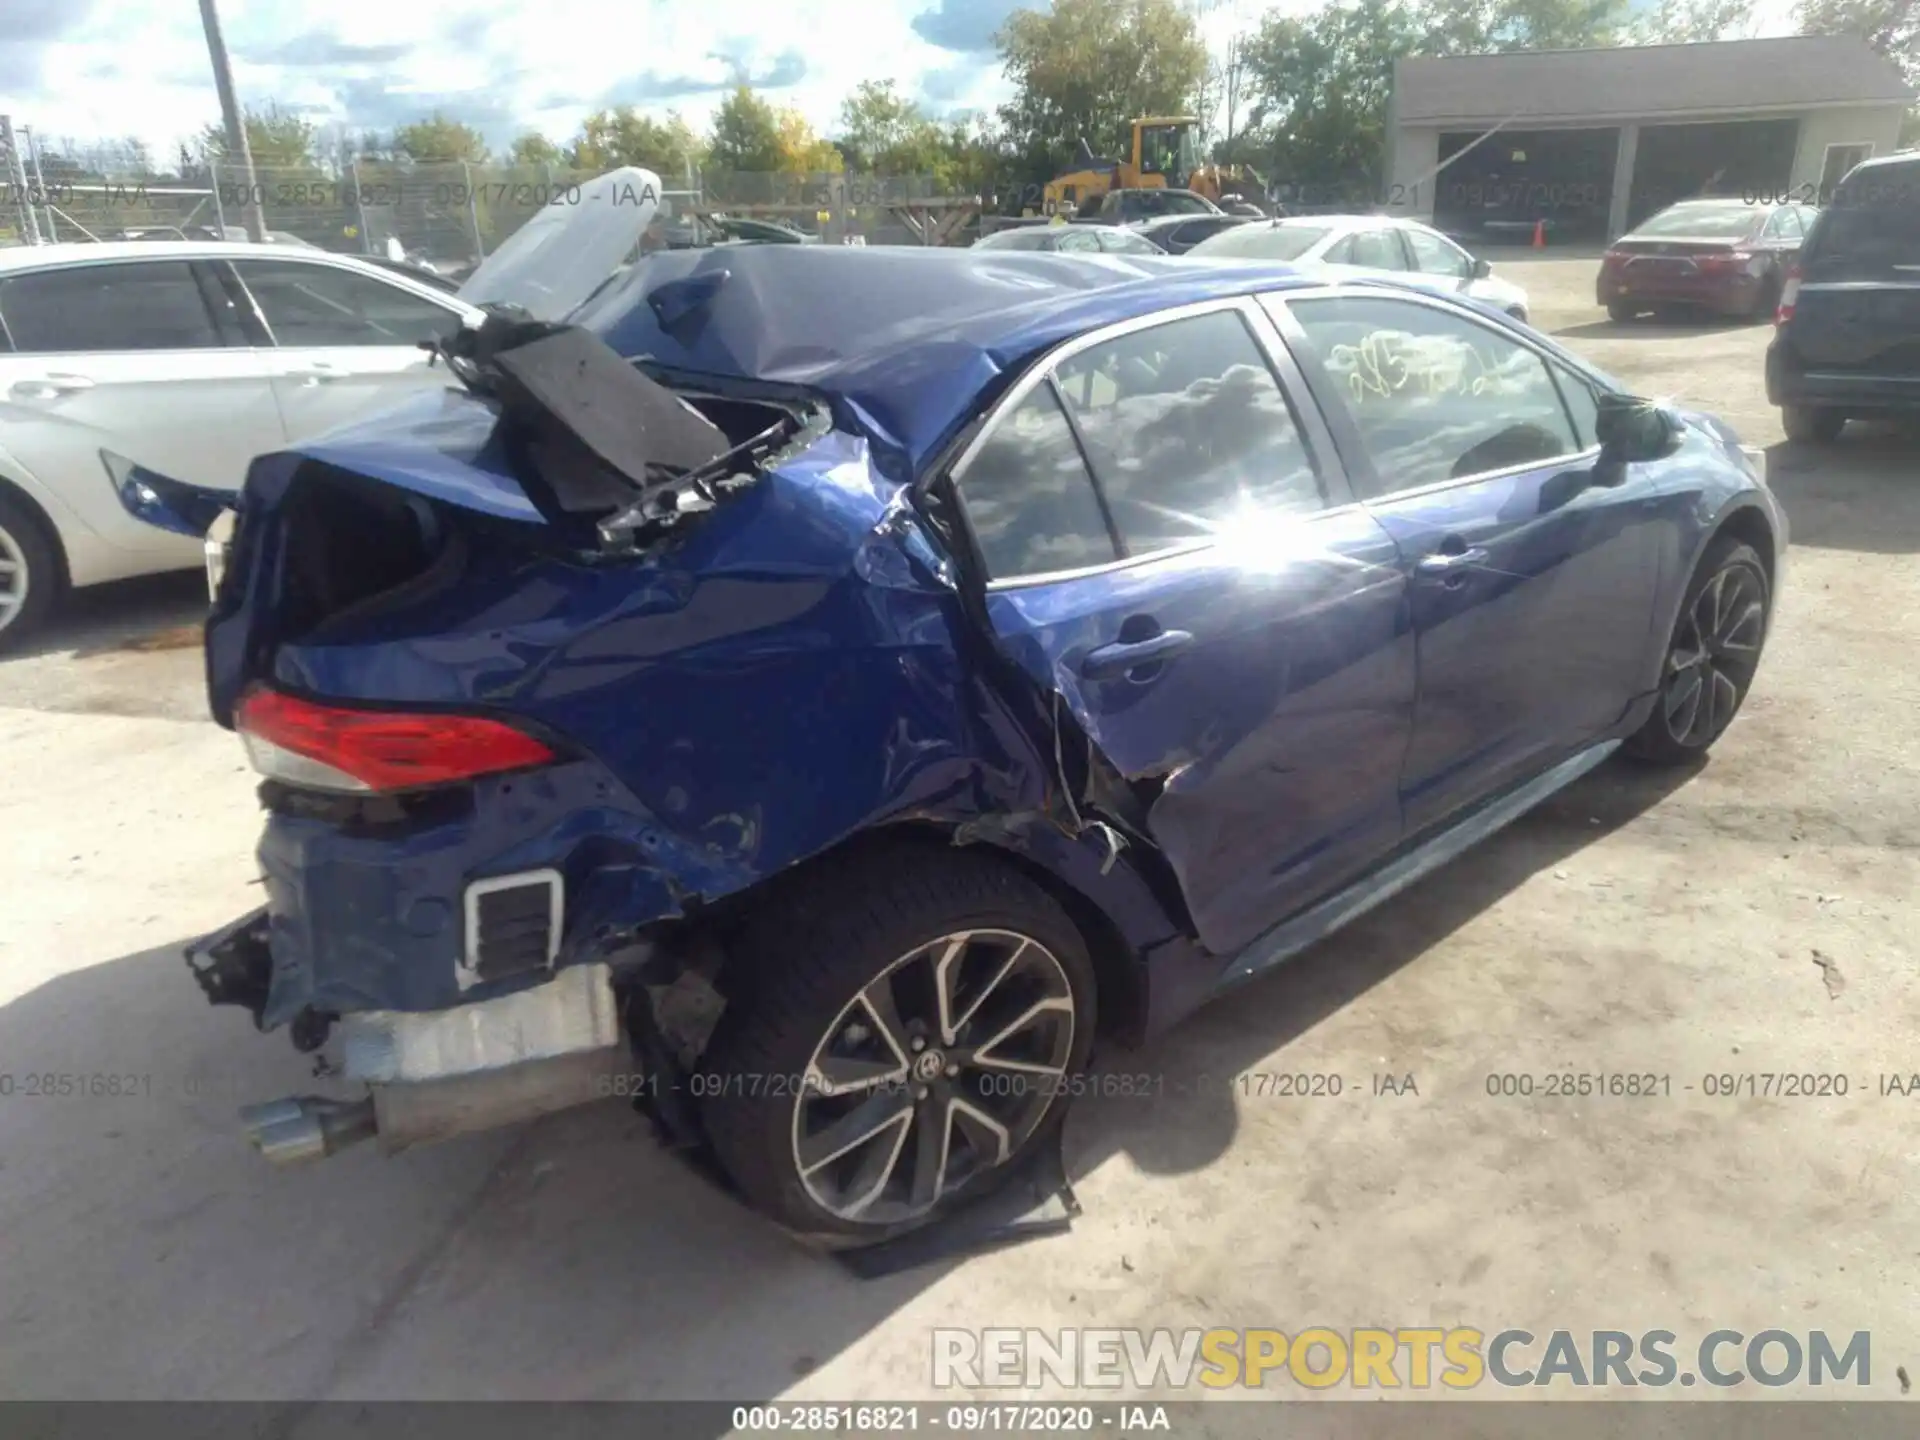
(1127, 655)
(49, 387)
(1446, 562)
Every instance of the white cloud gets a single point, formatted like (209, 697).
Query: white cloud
(503, 65)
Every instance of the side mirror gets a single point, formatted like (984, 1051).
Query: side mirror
(1482, 268)
(1631, 429)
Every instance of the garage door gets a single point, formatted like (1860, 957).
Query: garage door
(1679, 162)
(1496, 189)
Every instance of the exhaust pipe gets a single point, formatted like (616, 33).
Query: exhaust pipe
(303, 1128)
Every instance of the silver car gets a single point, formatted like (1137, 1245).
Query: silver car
(1366, 242)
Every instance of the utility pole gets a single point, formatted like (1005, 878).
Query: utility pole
(17, 178)
(237, 147)
(40, 181)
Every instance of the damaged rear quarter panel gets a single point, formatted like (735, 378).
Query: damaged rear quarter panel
(786, 672)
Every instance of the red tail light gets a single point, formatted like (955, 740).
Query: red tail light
(1611, 258)
(1789, 293)
(329, 747)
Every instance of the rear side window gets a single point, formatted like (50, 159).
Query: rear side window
(1871, 230)
(1189, 431)
(329, 305)
(1434, 395)
(139, 305)
(1030, 498)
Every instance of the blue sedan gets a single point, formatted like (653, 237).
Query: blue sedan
(813, 692)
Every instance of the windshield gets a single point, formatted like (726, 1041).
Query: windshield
(1264, 242)
(1709, 221)
(1871, 231)
(1034, 239)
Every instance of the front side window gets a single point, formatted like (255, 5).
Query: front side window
(329, 305)
(139, 305)
(1029, 497)
(1080, 240)
(1188, 431)
(1434, 395)
(1434, 256)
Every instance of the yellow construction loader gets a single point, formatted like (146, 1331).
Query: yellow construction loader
(1165, 153)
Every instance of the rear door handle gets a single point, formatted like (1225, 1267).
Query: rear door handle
(49, 387)
(1446, 562)
(1117, 659)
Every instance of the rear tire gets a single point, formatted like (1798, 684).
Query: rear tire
(1812, 424)
(30, 572)
(955, 1053)
(1711, 658)
(1620, 312)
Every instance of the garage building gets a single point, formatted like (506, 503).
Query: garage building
(1593, 141)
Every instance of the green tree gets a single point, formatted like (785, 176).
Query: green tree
(883, 131)
(278, 139)
(1890, 26)
(533, 148)
(746, 134)
(1321, 82)
(623, 136)
(440, 139)
(1087, 68)
(802, 152)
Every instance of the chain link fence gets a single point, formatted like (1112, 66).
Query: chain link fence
(454, 215)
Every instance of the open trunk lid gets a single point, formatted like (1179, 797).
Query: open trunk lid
(551, 264)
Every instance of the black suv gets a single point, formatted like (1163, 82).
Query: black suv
(1846, 337)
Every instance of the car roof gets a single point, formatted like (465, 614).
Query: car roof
(909, 343)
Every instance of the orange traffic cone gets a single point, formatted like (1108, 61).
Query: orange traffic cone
(1539, 234)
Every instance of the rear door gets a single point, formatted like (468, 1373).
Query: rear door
(138, 359)
(1856, 317)
(1532, 592)
(1171, 549)
(343, 342)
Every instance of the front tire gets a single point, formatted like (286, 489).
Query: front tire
(902, 1035)
(1812, 424)
(1711, 658)
(30, 573)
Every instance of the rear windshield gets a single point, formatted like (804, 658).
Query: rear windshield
(1870, 231)
(1709, 222)
(1034, 239)
(1264, 242)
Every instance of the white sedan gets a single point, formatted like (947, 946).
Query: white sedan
(189, 358)
(1366, 242)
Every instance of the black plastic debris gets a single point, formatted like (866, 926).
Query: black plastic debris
(1036, 1201)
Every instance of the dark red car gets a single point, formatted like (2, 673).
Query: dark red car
(1727, 256)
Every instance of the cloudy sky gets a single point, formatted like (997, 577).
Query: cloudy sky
(90, 69)
(96, 69)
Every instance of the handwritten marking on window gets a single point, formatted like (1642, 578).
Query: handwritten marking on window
(1386, 363)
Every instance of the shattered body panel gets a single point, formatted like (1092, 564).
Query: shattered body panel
(788, 675)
